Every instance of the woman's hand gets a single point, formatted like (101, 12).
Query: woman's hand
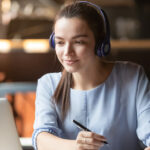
(89, 141)
(148, 148)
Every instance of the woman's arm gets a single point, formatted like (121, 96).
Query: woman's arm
(148, 148)
(47, 141)
(143, 108)
(85, 140)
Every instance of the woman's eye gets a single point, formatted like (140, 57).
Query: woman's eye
(79, 42)
(59, 42)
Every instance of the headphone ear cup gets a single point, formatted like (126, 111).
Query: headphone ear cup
(98, 51)
(52, 40)
(103, 49)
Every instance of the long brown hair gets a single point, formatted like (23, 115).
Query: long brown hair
(96, 24)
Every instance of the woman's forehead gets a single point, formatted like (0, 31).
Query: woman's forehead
(70, 24)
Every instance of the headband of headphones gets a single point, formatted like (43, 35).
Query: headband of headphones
(102, 48)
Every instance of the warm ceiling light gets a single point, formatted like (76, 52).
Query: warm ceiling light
(5, 46)
(36, 46)
(6, 5)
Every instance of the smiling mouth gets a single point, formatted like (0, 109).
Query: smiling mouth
(70, 62)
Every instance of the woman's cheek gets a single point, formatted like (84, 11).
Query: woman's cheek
(59, 54)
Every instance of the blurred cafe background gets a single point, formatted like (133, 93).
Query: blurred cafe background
(25, 55)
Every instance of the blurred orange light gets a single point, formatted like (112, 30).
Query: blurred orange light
(5, 46)
(36, 46)
(6, 5)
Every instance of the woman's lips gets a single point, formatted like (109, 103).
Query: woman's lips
(70, 62)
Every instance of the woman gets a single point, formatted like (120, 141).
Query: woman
(112, 99)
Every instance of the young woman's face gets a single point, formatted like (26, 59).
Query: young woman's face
(74, 44)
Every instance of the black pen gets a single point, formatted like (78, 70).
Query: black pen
(84, 128)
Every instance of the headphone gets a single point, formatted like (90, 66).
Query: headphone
(102, 48)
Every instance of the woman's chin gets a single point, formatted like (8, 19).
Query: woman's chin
(70, 69)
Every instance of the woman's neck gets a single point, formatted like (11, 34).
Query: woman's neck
(92, 77)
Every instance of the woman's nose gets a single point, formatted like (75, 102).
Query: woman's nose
(68, 49)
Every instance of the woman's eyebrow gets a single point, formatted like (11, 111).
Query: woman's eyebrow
(80, 35)
(74, 37)
(58, 37)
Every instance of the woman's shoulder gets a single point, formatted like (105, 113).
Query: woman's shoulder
(53, 76)
(128, 69)
(127, 65)
(50, 79)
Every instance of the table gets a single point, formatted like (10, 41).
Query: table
(13, 87)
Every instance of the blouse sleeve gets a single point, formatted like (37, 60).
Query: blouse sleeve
(45, 112)
(143, 108)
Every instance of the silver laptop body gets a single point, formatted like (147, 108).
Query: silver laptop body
(9, 139)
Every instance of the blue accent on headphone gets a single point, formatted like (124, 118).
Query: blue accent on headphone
(52, 40)
(102, 49)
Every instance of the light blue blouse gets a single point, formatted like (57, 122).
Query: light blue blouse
(118, 109)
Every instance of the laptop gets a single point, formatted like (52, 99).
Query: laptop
(9, 139)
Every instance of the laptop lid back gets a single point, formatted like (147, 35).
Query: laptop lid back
(9, 139)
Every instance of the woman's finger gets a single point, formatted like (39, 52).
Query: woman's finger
(85, 140)
(92, 135)
(90, 141)
(84, 145)
(87, 147)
